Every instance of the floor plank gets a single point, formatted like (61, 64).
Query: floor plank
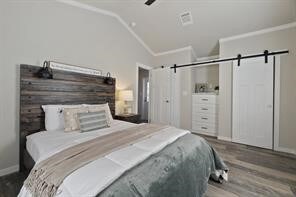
(252, 172)
(11, 184)
(217, 192)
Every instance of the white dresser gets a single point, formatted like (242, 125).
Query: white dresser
(205, 113)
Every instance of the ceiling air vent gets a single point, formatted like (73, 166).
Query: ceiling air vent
(186, 18)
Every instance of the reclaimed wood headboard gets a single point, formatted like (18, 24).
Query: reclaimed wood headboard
(65, 88)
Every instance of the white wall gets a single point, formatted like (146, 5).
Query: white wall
(276, 40)
(47, 30)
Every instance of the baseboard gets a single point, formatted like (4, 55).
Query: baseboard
(279, 149)
(9, 170)
(228, 139)
(285, 150)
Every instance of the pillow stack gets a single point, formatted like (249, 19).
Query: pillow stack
(70, 118)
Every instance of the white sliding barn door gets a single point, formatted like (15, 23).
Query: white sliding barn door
(253, 102)
(160, 96)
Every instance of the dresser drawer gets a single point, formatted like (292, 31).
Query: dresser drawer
(205, 118)
(204, 108)
(204, 99)
(204, 127)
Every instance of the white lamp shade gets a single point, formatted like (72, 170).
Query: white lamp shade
(126, 95)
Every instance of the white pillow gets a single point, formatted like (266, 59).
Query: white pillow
(54, 117)
(98, 107)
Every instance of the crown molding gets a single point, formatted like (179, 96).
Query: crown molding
(114, 15)
(108, 13)
(87, 7)
(207, 58)
(135, 35)
(193, 53)
(260, 32)
(175, 51)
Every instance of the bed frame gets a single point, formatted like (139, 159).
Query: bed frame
(65, 88)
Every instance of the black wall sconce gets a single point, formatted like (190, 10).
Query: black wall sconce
(108, 79)
(45, 72)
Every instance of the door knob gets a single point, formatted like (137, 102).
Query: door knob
(167, 101)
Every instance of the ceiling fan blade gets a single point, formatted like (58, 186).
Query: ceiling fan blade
(149, 2)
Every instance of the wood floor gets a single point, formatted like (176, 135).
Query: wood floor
(252, 172)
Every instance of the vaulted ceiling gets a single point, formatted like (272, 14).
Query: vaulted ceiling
(160, 28)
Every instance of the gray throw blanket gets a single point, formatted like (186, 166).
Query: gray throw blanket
(46, 176)
(182, 169)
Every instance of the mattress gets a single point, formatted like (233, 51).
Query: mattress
(110, 167)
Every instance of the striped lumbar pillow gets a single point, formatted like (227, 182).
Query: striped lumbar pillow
(92, 121)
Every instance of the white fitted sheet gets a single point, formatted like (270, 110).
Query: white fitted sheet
(44, 144)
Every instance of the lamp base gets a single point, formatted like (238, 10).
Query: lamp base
(127, 110)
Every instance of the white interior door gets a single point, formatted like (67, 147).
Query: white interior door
(253, 102)
(160, 96)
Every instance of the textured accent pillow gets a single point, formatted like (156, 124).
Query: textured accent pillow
(54, 118)
(92, 121)
(99, 107)
(71, 119)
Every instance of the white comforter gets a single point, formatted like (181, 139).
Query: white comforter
(97, 175)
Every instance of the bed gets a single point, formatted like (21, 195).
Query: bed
(170, 162)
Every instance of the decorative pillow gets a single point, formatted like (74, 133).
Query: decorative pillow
(92, 121)
(99, 107)
(54, 118)
(71, 118)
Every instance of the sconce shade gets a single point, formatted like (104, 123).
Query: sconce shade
(108, 80)
(45, 72)
(126, 95)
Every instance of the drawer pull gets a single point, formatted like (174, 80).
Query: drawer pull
(205, 109)
(204, 118)
(204, 127)
(205, 99)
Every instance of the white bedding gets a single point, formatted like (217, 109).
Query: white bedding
(43, 144)
(83, 182)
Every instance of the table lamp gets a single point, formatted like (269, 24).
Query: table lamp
(127, 97)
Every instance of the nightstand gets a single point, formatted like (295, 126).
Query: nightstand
(133, 118)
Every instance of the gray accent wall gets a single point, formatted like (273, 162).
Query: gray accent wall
(276, 40)
(34, 31)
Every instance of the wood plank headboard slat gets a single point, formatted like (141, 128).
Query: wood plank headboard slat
(65, 88)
